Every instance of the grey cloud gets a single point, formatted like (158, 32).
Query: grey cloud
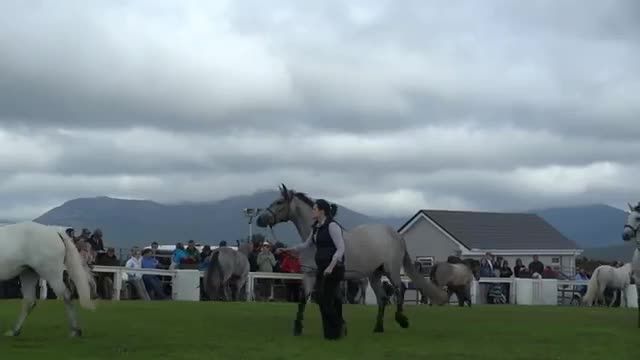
(426, 104)
(352, 67)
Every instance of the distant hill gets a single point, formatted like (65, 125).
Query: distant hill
(591, 226)
(622, 252)
(139, 222)
(595, 228)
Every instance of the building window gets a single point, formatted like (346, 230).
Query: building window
(555, 260)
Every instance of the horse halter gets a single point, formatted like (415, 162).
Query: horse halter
(634, 231)
(275, 216)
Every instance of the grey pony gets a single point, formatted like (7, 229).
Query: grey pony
(371, 250)
(227, 267)
(457, 277)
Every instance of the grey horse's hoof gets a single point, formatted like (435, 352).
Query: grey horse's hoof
(402, 320)
(297, 328)
(11, 333)
(75, 333)
(378, 329)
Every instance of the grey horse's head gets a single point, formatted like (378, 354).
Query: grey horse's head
(474, 266)
(632, 226)
(280, 210)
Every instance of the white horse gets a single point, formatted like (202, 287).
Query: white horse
(371, 250)
(630, 233)
(33, 251)
(605, 276)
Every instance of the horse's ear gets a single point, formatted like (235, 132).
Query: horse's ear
(285, 192)
(630, 207)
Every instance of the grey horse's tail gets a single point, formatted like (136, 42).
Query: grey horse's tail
(214, 269)
(593, 288)
(437, 296)
(432, 273)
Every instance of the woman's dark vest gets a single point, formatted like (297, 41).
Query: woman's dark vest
(325, 248)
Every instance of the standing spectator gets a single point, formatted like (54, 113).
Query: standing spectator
(505, 272)
(105, 280)
(581, 275)
(490, 261)
(72, 234)
(96, 241)
(206, 252)
(193, 255)
(266, 261)
(486, 270)
(290, 263)
(536, 266)
(85, 234)
(134, 278)
(154, 248)
(253, 257)
(520, 271)
(179, 254)
(204, 257)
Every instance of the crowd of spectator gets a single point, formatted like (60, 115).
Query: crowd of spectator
(261, 257)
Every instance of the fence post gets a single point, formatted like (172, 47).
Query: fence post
(117, 284)
(43, 289)
(186, 285)
(250, 287)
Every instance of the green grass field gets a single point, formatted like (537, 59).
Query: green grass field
(206, 330)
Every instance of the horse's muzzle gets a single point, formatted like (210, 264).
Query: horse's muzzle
(264, 220)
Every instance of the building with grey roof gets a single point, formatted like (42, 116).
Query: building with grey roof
(433, 235)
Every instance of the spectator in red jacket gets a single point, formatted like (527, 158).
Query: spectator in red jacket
(290, 263)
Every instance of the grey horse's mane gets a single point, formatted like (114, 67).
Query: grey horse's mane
(307, 200)
(304, 197)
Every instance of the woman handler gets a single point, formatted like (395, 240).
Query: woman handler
(329, 257)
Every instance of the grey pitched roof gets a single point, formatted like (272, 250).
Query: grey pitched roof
(490, 230)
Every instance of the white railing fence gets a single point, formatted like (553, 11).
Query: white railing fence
(185, 285)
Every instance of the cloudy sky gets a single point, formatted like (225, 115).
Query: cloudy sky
(382, 106)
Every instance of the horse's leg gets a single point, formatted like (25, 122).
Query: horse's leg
(59, 287)
(613, 298)
(225, 290)
(29, 281)
(467, 294)
(241, 282)
(309, 282)
(375, 282)
(398, 288)
(460, 294)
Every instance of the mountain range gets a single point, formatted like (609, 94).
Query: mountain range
(595, 228)
(139, 222)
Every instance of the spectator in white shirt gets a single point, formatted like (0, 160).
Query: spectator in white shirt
(134, 278)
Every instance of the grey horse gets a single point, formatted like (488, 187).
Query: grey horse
(630, 233)
(371, 250)
(457, 277)
(228, 271)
